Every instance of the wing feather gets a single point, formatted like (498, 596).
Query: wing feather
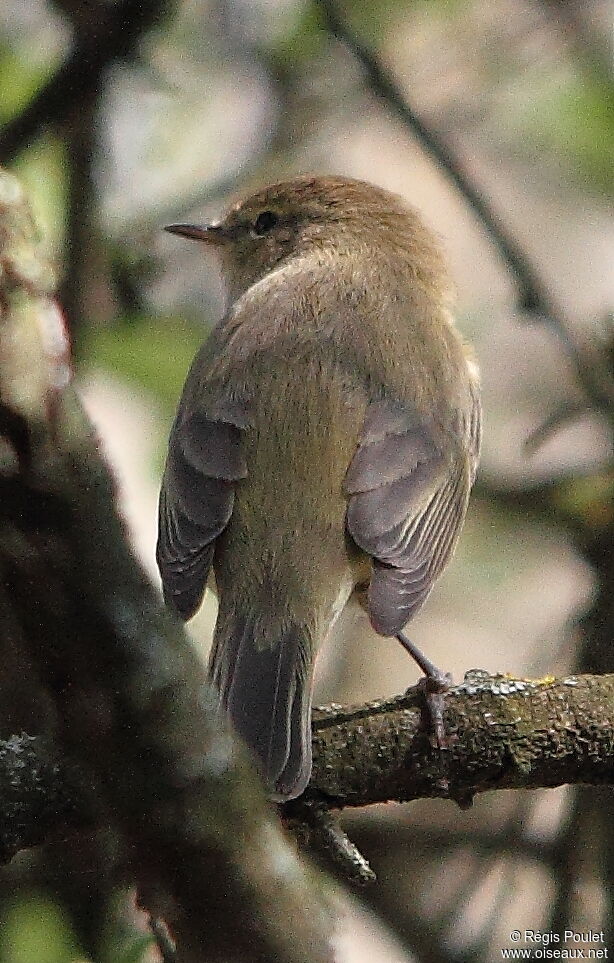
(408, 499)
(205, 460)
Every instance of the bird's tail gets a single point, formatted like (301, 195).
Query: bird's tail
(264, 679)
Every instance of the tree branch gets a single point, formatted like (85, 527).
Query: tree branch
(112, 31)
(506, 734)
(41, 797)
(133, 712)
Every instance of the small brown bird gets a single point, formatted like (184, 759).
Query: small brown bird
(325, 444)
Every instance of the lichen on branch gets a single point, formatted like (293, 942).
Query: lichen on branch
(504, 733)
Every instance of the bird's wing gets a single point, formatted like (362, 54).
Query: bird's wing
(204, 462)
(407, 502)
(474, 429)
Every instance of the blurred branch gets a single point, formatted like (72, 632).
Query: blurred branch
(41, 799)
(111, 32)
(68, 103)
(577, 24)
(591, 525)
(424, 839)
(292, 119)
(540, 501)
(566, 413)
(533, 297)
(82, 292)
(164, 942)
(124, 680)
(134, 715)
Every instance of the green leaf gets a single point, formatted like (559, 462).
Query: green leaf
(34, 930)
(153, 353)
(577, 121)
(21, 77)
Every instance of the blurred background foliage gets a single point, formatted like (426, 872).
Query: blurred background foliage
(120, 117)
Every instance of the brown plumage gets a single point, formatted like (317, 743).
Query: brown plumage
(326, 440)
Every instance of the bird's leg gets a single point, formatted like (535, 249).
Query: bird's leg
(434, 685)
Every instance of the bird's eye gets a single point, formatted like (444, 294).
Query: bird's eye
(265, 222)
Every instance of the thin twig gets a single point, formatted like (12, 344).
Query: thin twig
(532, 294)
(317, 829)
(110, 36)
(164, 942)
(567, 412)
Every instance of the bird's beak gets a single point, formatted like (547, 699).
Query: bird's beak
(211, 233)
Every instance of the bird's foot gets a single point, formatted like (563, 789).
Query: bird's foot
(434, 686)
(434, 690)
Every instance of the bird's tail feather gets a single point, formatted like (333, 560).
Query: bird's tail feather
(264, 681)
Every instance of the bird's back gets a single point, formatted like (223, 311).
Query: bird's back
(309, 357)
(286, 541)
(284, 566)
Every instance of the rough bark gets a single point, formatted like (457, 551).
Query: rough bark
(133, 711)
(505, 733)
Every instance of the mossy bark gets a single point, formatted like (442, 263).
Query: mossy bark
(504, 733)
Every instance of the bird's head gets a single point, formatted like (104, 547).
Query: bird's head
(298, 216)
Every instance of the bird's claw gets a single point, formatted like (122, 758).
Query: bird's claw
(434, 689)
(434, 685)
